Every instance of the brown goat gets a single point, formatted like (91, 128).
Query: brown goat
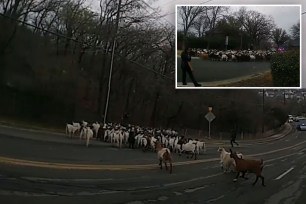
(164, 155)
(247, 165)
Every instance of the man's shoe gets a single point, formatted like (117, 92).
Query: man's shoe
(184, 83)
(197, 85)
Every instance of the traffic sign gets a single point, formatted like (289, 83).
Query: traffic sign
(210, 116)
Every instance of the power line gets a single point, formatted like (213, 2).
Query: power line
(207, 1)
(72, 39)
(153, 9)
(171, 1)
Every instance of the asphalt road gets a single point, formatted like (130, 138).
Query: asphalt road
(206, 71)
(54, 169)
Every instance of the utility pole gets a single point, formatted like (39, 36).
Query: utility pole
(112, 60)
(263, 112)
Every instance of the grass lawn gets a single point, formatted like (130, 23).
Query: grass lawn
(260, 81)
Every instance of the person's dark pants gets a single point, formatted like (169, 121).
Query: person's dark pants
(233, 141)
(188, 70)
(131, 144)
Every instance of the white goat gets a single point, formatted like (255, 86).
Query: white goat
(163, 155)
(88, 135)
(190, 148)
(71, 129)
(96, 127)
(252, 57)
(224, 57)
(118, 138)
(226, 162)
(201, 147)
(138, 139)
(108, 135)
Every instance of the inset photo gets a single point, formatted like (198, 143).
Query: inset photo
(238, 46)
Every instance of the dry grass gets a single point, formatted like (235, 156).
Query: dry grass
(264, 80)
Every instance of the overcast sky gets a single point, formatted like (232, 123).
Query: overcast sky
(283, 16)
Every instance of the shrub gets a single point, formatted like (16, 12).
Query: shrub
(285, 69)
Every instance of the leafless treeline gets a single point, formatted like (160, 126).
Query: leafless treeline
(207, 21)
(58, 68)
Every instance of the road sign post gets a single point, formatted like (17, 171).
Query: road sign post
(209, 117)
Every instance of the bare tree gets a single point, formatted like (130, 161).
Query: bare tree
(201, 25)
(188, 14)
(295, 31)
(256, 25)
(279, 36)
(213, 15)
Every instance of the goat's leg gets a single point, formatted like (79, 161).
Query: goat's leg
(235, 179)
(255, 180)
(161, 164)
(243, 175)
(262, 180)
(225, 169)
(222, 165)
(166, 165)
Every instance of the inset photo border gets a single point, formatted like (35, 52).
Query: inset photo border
(238, 46)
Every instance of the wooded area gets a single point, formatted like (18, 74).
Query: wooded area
(55, 60)
(207, 26)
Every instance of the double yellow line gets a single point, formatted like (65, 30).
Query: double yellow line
(56, 165)
(119, 167)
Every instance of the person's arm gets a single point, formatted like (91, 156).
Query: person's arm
(189, 64)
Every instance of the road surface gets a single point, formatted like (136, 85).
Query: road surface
(43, 167)
(216, 73)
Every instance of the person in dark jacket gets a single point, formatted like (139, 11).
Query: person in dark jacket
(187, 68)
(233, 137)
(131, 139)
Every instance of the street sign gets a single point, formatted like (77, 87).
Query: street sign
(210, 116)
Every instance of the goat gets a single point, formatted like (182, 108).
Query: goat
(252, 58)
(118, 138)
(190, 148)
(71, 129)
(88, 134)
(201, 146)
(164, 155)
(96, 127)
(248, 165)
(227, 163)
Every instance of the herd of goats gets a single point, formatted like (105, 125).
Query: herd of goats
(164, 142)
(233, 55)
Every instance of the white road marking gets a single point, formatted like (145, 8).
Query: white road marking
(284, 174)
(191, 190)
(192, 180)
(269, 165)
(215, 199)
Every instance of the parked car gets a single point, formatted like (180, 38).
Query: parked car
(299, 118)
(301, 127)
